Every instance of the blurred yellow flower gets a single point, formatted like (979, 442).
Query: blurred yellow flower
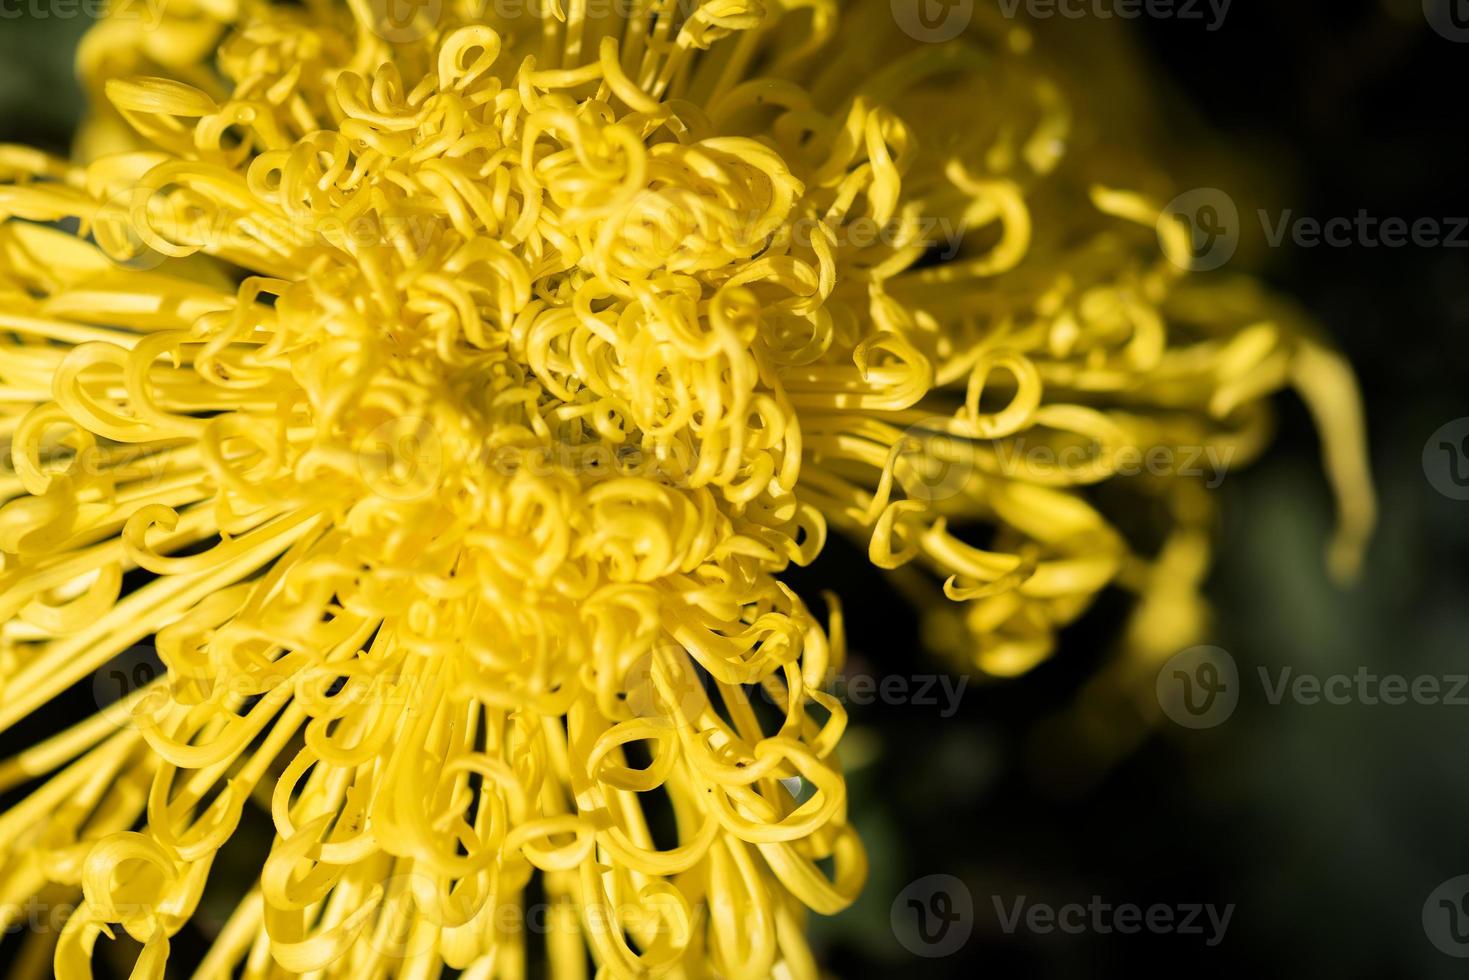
(444, 395)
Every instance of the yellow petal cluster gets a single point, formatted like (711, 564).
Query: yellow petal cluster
(444, 398)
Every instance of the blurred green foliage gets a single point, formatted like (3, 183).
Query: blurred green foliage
(40, 100)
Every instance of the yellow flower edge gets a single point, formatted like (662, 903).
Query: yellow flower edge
(444, 400)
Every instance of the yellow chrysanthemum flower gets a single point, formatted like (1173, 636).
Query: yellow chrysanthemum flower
(444, 396)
